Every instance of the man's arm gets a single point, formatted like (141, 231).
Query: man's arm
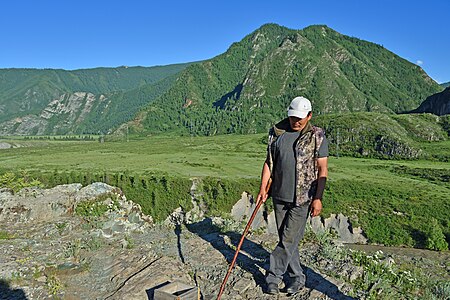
(265, 177)
(322, 174)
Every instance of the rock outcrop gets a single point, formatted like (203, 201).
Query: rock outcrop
(339, 224)
(36, 205)
(4, 145)
(74, 242)
(438, 104)
(244, 208)
(55, 243)
(63, 114)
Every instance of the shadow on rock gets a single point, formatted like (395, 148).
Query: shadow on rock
(178, 233)
(151, 292)
(7, 293)
(315, 281)
(171, 292)
(252, 256)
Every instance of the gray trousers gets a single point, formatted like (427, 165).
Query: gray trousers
(291, 221)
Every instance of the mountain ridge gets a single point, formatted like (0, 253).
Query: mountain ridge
(26, 94)
(249, 86)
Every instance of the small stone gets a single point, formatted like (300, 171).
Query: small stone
(118, 227)
(356, 273)
(107, 232)
(124, 243)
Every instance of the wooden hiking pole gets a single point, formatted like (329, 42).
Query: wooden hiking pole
(222, 287)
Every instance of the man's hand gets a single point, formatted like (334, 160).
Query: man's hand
(316, 207)
(262, 196)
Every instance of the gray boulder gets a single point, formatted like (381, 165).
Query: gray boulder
(342, 226)
(4, 145)
(243, 209)
(36, 204)
(94, 190)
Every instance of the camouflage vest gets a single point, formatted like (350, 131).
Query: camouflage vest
(307, 152)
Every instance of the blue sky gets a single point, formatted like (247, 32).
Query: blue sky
(71, 34)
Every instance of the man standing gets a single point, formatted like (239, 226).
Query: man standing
(297, 158)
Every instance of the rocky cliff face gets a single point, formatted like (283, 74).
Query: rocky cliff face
(438, 104)
(63, 114)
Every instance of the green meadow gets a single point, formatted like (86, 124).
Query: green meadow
(218, 156)
(396, 202)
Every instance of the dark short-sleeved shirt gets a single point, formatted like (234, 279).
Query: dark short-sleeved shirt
(284, 175)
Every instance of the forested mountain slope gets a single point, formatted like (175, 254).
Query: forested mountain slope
(81, 101)
(249, 87)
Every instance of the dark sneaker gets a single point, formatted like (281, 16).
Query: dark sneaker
(294, 286)
(272, 288)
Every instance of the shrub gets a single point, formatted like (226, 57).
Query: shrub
(220, 194)
(96, 207)
(5, 235)
(17, 182)
(435, 238)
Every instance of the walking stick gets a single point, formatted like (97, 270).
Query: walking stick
(222, 287)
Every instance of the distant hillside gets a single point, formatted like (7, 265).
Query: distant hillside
(81, 101)
(382, 135)
(249, 87)
(438, 104)
(447, 84)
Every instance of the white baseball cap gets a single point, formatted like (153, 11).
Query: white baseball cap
(299, 107)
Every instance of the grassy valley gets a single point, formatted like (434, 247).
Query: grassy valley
(376, 194)
(164, 134)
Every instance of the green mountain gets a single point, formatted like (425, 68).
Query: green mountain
(248, 88)
(445, 85)
(81, 101)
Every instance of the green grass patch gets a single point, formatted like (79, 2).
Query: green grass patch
(219, 156)
(438, 176)
(97, 207)
(91, 208)
(5, 235)
(390, 201)
(220, 194)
